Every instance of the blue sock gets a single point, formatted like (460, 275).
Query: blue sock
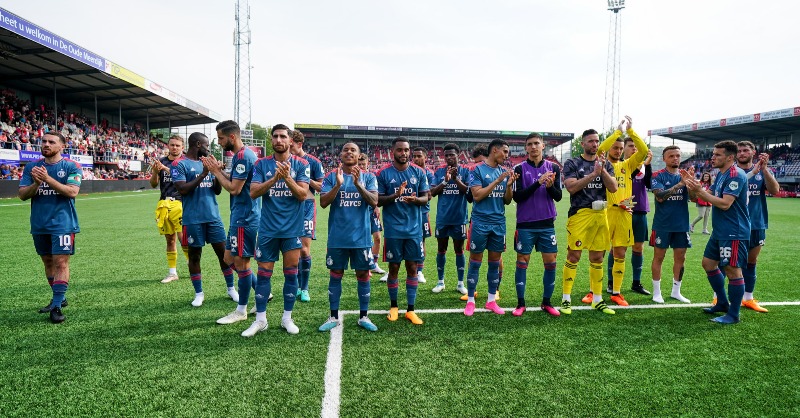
(228, 273)
(59, 293)
(749, 274)
(736, 293)
(717, 282)
(289, 287)
(197, 282)
(549, 279)
(363, 294)
(263, 288)
(520, 277)
(245, 284)
(335, 290)
(610, 269)
(493, 276)
(441, 262)
(411, 290)
(637, 260)
(472, 276)
(391, 284)
(305, 272)
(461, 263)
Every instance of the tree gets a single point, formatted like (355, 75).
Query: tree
(216, 150)
(263, 133)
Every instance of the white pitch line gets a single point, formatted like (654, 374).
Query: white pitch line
(579, 308)
(333, 373)
(83, 199)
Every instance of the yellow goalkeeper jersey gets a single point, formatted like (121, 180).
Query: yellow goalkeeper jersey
(623, 169)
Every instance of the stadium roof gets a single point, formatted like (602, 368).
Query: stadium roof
(33, 59)
(752, 127)
(310, 130)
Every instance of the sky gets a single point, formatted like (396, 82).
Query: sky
(502, 64)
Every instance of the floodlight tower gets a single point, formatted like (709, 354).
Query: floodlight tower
(611, 106)
(241, 40)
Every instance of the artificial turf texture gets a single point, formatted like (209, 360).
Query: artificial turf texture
(134, 347)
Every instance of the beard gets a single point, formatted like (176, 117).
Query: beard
(202, 152)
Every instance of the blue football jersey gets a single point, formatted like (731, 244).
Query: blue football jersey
(350, 216)
(734, 223)
(757, 201)
(244, 210)
(316, 172)
(200, 205)
(451, 204)
(52, 212)
(491, 210)
(672, 215)
(429, 178)
(281, 212)
(402, 220)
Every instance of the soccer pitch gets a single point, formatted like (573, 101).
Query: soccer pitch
(134, 347)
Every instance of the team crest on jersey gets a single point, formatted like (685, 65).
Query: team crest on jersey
(578, 243)
(623, 170)
(61, 174)
(658, 240)
(292, 173)
(471, 245)
(240, 168)
(412, 180)
(389, 255)
(308, 171)
(733, 185)
(329, 261)
(759, 177)
(191, 240)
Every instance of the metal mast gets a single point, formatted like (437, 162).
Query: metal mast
(241, 40)
(611, 106)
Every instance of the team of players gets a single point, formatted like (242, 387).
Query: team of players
(273, 216)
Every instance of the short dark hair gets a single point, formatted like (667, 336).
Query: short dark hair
(228, 127)
(628, 139)
(747, 144)
(346, 143)
(729, 146)
(195, 137)
(588, 132)
(479, 150)
(421, 149)
(57, 134)
(450, 145)
(669, 148)
(398, 139)
(532, 135)
(282, 126)
(496, 143)
(298, 136)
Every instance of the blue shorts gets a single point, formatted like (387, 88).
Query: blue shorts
(357, 259)
(757, 238)
(269, 249)
(728, 253)
(456, 232)
(309, 219)
(426, 225)
(544, 240)
(487, 237)
(398, 249)
(242, 241)
(54, 244)
(375, 225)
(199, 235)
(670, 239)
(639, 224)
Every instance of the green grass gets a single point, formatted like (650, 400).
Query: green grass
(134, 347)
